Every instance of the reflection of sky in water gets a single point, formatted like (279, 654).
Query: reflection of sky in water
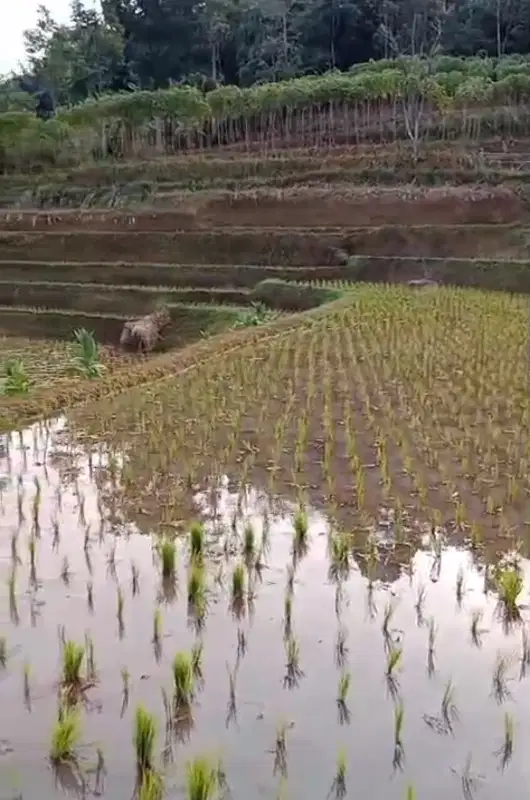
(315, 740)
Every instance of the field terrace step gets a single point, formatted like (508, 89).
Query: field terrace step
(309, 207)
(261, 246)
(131, 301)
(190, 323)
(198, 276)
(510, 275)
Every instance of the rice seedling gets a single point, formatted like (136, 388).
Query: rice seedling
(100, 774)
(341, 648)
(399, 753)
(459, 586)
(283, 792)
(144, 741)
(168, 557)
(90, 596)
(300, 534)
(287, 616)
(183, 682)
(73, 680)
(135, 579)
(120, 603)
(449, 711)
(470, 781)
(231, 708)
(238, 591)
(151, 786)
(241, 645)
(249, 543)
(3, 652)
(394, 662)
(197, 541)
(342, 698)
(167, 753)
(338, 787)
(66, 737)
(505, 751)
(197, 602)
(501, 679)
(387, 619)
(476, 631)
(15, 558)
(509, 586)
(293, 673)
(340, 556)
(125, 690)
(431, 648)
(280, 750)
(525, 654)
(411, 792)
(92, 673)
(197, 661)
(12, 591)
(157, 637)
(419, 606)
(27, 686)
(111, 562)
(201, 780)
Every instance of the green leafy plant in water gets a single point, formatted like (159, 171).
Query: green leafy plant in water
(66, 736)
(87, 354)
(144, 739)
(510, 586)
(257, 314)
(202, 779)
(15, 379)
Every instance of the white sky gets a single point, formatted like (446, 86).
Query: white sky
(16, 16)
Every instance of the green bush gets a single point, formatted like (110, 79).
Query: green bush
(290, 296)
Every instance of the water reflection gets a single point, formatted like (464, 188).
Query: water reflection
(347, 680)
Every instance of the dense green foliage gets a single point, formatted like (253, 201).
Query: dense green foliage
(410, 99)
(150, 44)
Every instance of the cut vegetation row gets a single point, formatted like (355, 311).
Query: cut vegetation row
(261, 247)
(511, 275)
(310, 207)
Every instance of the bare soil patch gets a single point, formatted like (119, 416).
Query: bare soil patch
(295, 247)
(306, 207)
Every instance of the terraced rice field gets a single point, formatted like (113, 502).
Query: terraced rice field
(289, 560)
(309, 549)
(214, 248)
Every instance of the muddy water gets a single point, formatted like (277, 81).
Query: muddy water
(433, 761)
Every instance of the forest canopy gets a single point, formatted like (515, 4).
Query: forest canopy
(156, 44)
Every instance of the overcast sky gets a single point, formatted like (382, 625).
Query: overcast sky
(16, 16)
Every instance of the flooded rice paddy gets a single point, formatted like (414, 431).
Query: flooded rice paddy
(413, 682)
(303, 558)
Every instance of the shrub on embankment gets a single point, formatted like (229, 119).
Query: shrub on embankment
(373, 102)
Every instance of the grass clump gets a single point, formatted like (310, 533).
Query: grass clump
(168, 555)
(510, 586)
(183, 681)
(73, 680)
(197, 541)
(202, 779)
(144, 739)
(66, 736)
